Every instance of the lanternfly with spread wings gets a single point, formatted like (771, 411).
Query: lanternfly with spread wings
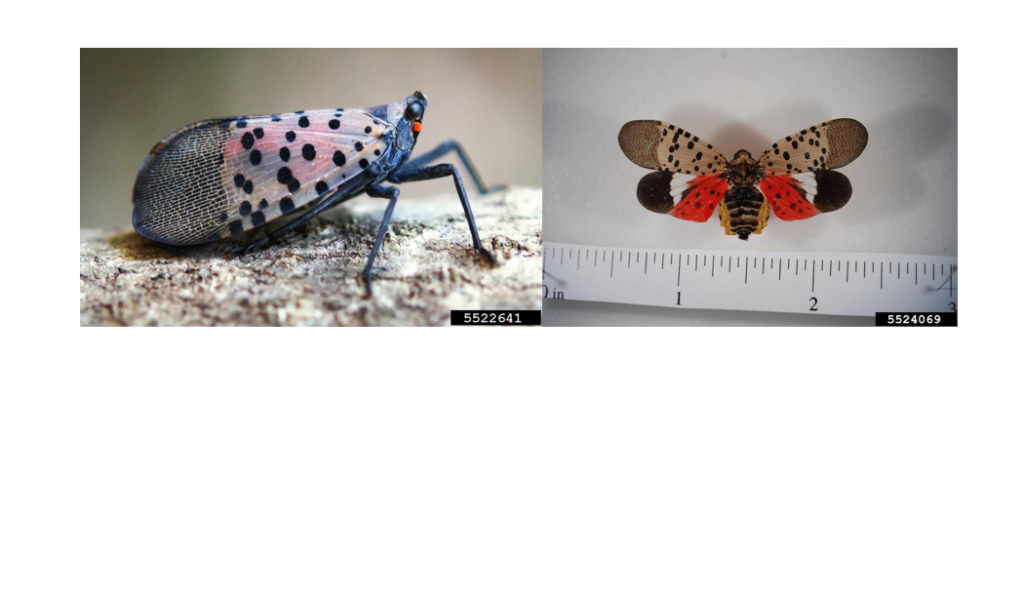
(796, 176)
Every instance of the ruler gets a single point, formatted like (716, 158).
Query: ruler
(814, 283)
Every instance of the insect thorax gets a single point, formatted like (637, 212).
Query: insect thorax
(743, 169)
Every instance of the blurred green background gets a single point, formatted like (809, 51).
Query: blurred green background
(489, 100)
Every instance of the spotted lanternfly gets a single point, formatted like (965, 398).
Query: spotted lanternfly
(219, 178)
(796, 175)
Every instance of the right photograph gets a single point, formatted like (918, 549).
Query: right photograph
(804, 187)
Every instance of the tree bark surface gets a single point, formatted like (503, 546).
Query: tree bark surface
(425, 269)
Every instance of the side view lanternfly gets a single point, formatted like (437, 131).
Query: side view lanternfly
(795, 176)
(219, 178)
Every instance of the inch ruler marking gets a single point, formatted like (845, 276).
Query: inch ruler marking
(823, 283)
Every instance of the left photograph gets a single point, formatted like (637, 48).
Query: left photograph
(308, 187)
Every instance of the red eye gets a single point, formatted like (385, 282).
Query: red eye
(416, 127)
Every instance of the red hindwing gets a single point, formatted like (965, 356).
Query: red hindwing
(701, 197)
(787, 197)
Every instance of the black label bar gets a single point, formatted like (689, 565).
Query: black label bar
(917, 320)
(496, 317)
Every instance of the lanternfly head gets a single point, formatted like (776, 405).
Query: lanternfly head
(743, 153)
(415, 105)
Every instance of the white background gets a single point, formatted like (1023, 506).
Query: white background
(904, 184)
(504, 462)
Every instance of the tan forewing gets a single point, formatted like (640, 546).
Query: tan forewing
(824, 146)
(661, 146)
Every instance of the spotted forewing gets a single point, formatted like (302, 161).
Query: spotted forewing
(219, 178)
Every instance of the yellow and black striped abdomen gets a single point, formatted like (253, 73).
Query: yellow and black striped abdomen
(743, 211)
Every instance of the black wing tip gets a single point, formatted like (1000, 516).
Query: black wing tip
(654, 192)
(834, 191)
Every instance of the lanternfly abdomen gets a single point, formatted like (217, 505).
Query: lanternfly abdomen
(220, 178)
(795, 176)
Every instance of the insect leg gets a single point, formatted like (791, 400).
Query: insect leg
(332, 199)
(388, 193)
(440, 171)
(444, 149)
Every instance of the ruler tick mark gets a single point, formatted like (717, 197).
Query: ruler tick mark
(745, 264)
